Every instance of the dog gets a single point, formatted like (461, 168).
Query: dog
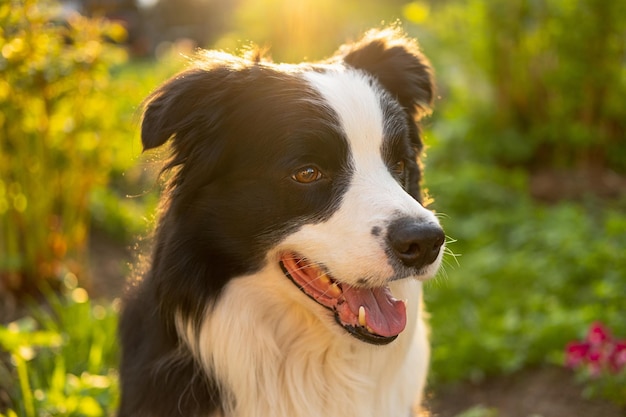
(288, 261)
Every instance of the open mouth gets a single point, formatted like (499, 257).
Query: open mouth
(372, 315)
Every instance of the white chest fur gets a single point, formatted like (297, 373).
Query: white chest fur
(276, 356)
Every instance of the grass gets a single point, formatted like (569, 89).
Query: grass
(531, 277)
(62, 358)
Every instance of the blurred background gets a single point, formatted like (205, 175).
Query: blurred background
(525, 161)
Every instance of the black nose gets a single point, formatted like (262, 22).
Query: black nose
(415, 243)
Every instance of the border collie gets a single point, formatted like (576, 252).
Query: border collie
(288, 262)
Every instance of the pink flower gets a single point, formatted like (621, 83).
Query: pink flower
(595, 359)
(576, 353)
(598, 334)
(598, 352)
(617, 359)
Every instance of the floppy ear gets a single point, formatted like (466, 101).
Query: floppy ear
(396, 61)
(191, 99)
(169, 111)
(189, 110)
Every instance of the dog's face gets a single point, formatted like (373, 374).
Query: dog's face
(312, 168)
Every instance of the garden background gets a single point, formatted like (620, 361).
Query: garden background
(526, 163)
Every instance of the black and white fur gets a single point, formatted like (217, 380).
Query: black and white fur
(216, 327)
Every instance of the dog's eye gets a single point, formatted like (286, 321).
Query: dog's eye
(398, 169)
(307, 175)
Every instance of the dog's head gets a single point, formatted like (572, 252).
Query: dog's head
(311, 167)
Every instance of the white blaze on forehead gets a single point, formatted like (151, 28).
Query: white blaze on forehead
(357, 103)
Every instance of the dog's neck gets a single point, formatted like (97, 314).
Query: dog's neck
(274, 356)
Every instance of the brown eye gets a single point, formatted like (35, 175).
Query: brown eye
(398, 169)
(307, 175)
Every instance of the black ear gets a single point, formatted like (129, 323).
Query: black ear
(189, 100)
(396, 61)
(167, 110)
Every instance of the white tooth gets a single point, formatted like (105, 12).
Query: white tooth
(369, 329)
(362, 321)
(324, 279)
(334, 290)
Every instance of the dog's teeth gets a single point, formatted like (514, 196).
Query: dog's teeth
(362, 321)
(334, 290)
(369, 329)
(324, 279)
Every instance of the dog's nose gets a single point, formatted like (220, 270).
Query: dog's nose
(415, 243)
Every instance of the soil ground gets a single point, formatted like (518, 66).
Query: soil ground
(547, 392)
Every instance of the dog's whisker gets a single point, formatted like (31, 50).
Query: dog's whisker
(450, 239)
(448, 253)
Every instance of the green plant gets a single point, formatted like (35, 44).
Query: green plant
(531, 84)
(529, 275)
(55, 137)
(62, 358)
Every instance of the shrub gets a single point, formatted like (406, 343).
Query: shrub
(55, 134)
(529, 275)
(532, 84)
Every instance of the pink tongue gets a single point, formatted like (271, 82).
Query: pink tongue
(385, 315)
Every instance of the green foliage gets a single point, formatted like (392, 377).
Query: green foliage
(533, 84)
(531, 277)
(56, 136)
(62, 358)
